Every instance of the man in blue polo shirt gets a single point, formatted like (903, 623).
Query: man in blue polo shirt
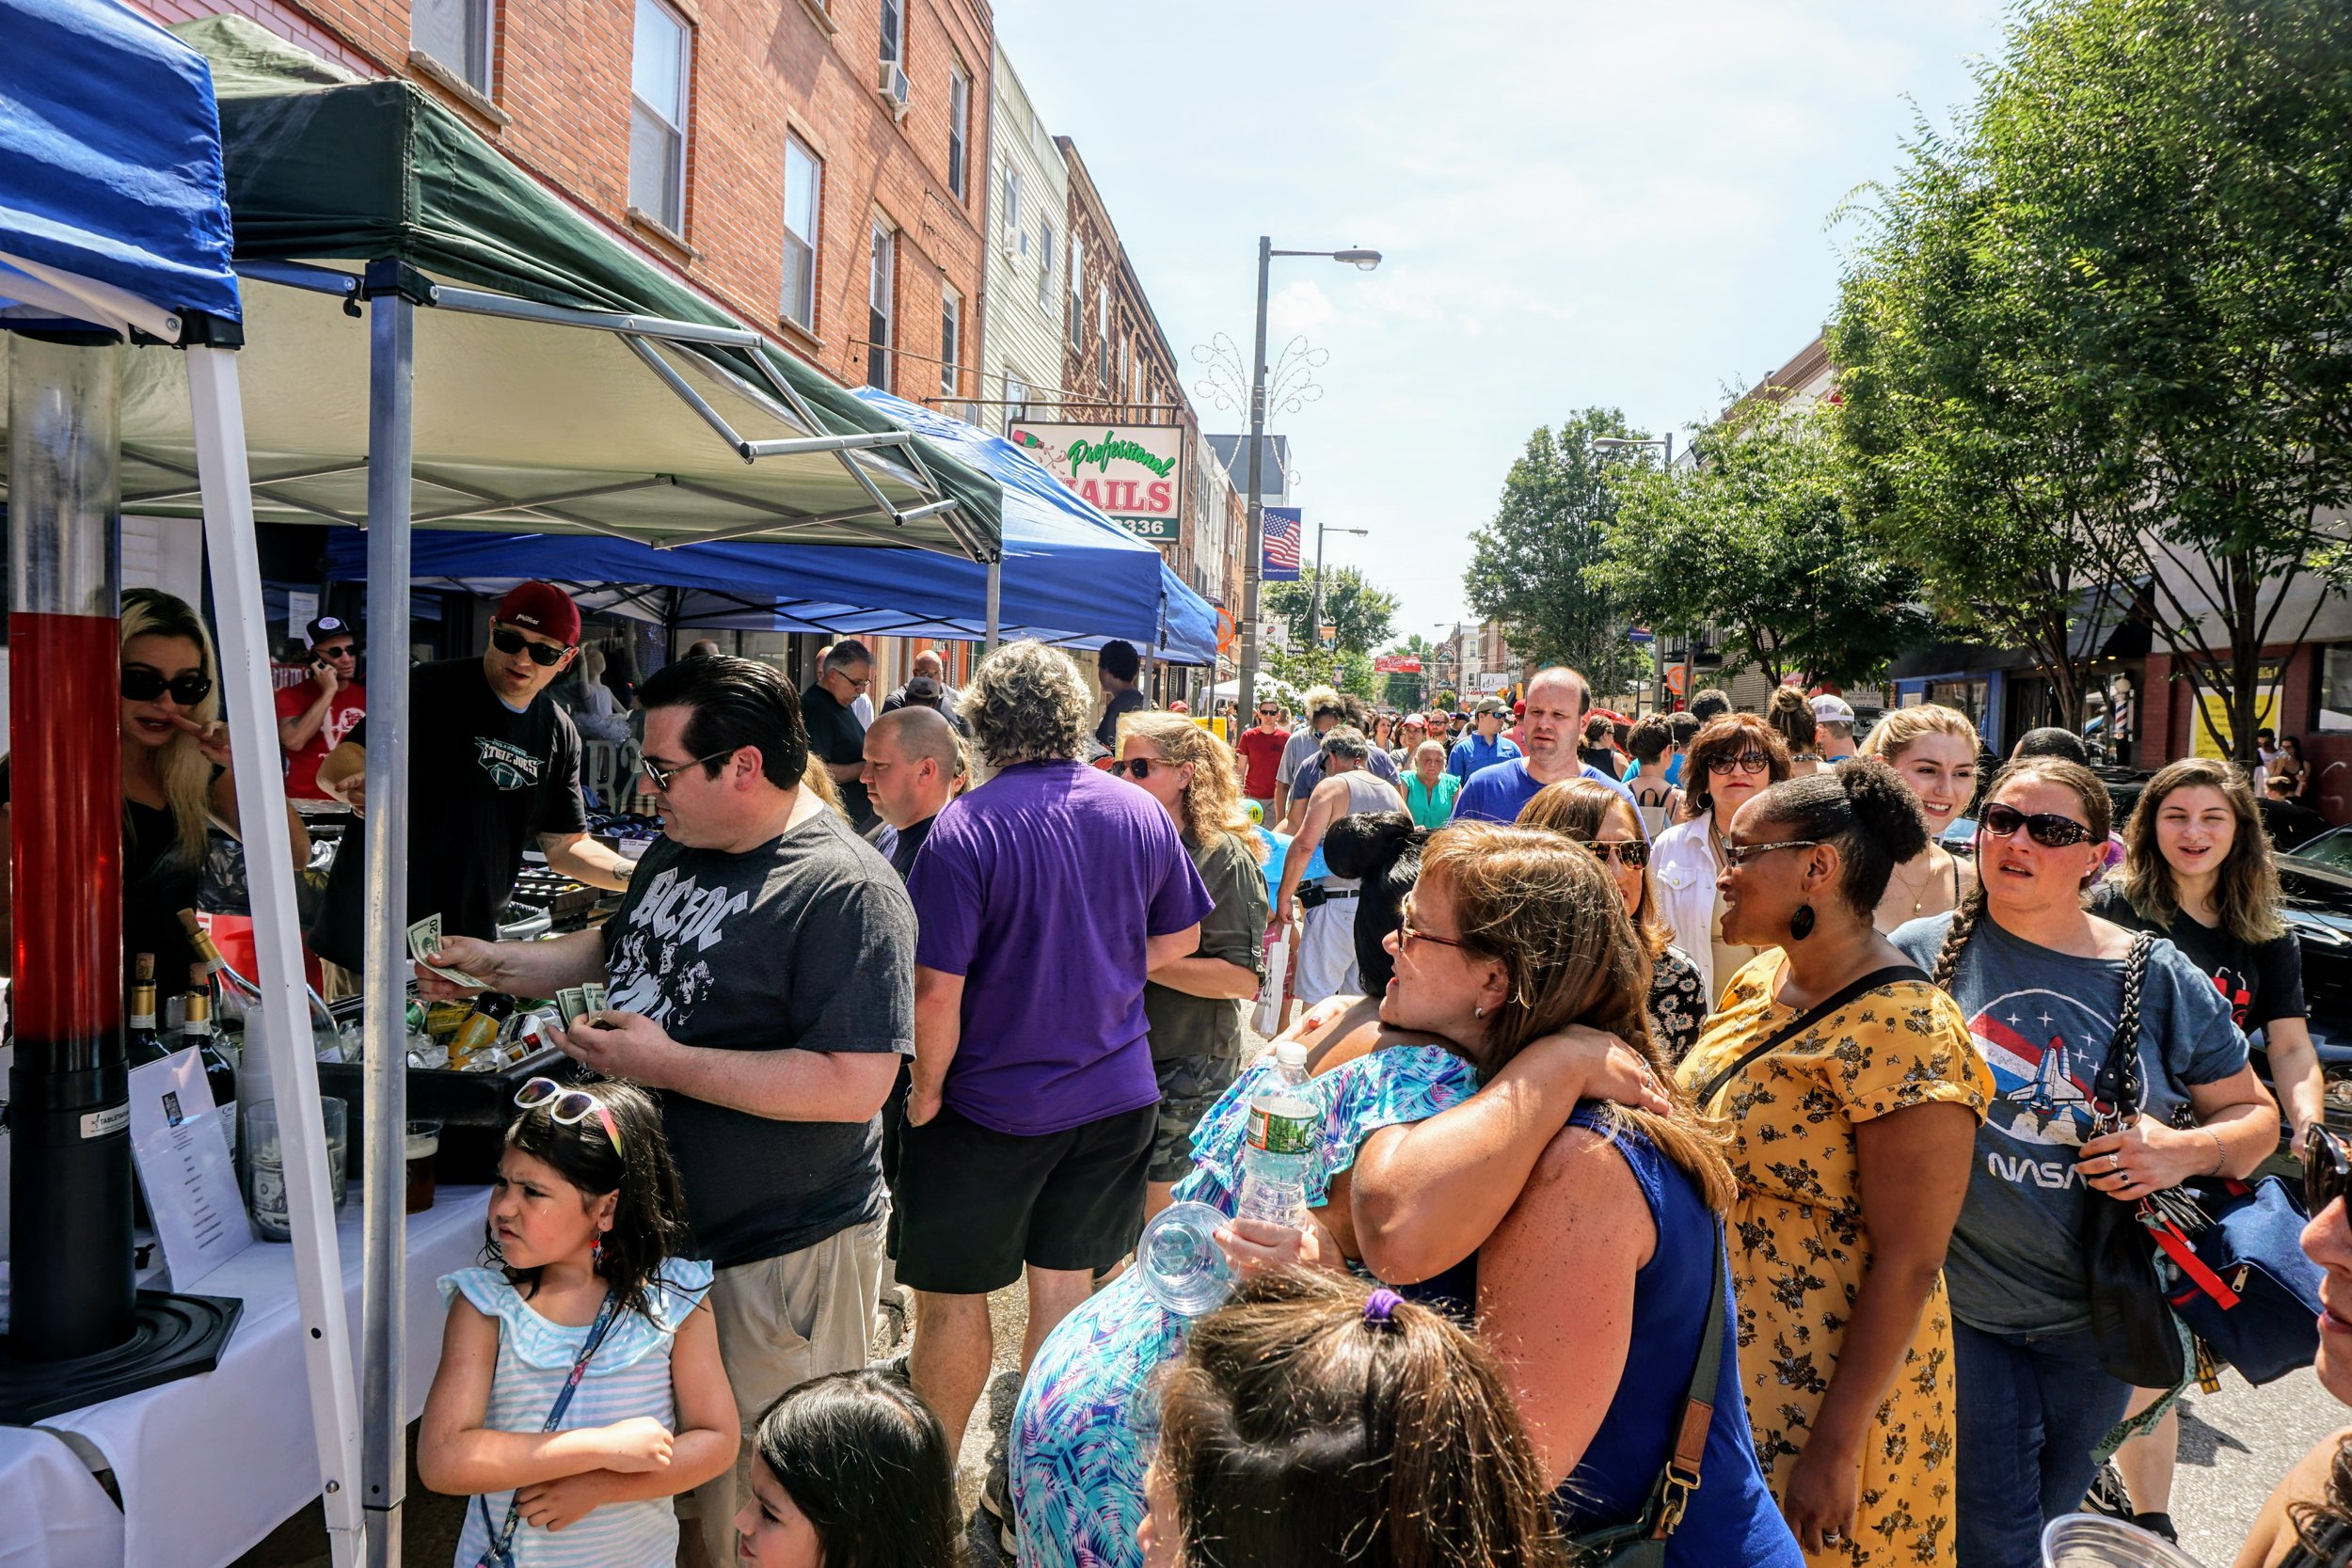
(1556, 701)
(1486, 745)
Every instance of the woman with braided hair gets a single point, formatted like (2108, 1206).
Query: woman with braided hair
(2041, 982)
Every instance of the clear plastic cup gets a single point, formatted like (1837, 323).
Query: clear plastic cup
(2095, 1540)
(1182, 1267)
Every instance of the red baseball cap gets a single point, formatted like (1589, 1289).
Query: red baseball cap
(543, 607)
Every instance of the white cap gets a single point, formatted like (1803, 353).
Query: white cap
(1831, 709)
(1290, 1053)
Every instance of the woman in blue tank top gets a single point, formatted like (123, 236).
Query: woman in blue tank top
(1595, 1287)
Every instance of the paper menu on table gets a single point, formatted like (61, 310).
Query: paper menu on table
(180, 1148)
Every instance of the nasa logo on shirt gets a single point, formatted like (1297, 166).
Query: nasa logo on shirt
(2044, 1047)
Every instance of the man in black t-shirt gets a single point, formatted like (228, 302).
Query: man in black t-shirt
(837, 736)
(762, 979)
(493, 770)
(2290, 823)
(1118, 667)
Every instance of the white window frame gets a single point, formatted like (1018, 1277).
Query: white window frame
(950, 341)
(1016, 397)
(882, 284)
(1102, 338)
(892, 31)
(1015, 240)
(801, 248)
(670, 215)
(1045, 263)
(470, 65)
(1077, 290)
(958, 131)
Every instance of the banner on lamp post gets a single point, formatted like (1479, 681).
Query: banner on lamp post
(1282, 533)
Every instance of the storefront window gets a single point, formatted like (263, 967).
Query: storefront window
(2335, 686)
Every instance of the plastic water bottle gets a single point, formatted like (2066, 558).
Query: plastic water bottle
(1182, 1267)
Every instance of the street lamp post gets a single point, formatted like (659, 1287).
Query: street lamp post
(1314, 614)
(1245, 686)
(1657, 640)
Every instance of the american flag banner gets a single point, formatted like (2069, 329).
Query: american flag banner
(1282, 531)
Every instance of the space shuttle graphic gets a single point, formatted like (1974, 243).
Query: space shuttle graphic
(2055, 1091)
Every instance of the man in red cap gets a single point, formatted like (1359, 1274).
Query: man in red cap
(493, 768)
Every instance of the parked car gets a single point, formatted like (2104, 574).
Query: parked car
(2316, 883)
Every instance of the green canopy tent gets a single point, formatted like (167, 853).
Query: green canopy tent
(433, 335)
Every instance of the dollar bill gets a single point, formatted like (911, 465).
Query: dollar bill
(425, 936)
(592, 994)
(572, 1003)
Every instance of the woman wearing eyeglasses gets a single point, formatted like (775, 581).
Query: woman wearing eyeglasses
(176, 779)
(1597, 817)
(1192, 1006)
(2041, 982)
(1852, 1096)
(1731, 761)
(2308, 1521)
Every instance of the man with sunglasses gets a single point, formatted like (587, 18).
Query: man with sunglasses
(1554, 722)
(493, 770)
(836, 734)
(1260, 748)
(315, 717)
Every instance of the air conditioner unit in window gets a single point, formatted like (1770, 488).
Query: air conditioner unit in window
(894, 88)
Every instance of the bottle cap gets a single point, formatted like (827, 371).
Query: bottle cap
(1290, 1053)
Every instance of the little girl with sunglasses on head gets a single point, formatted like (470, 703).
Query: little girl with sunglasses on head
(579, 1388)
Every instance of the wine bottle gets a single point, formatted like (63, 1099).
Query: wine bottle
(234, 992)
(219, 1076)
(144, 1045)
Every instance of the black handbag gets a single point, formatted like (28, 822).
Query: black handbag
(2130, 1318)
(1640, 1542)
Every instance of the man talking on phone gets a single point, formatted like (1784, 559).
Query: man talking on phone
(313, 717)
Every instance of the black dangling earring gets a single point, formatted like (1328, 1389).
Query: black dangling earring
(1801, 923)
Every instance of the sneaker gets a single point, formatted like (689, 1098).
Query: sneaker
(2158, 1524)
(895, 1369)
(995, 1502)
(2108, 1495)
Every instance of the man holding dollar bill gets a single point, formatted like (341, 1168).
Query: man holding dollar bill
(761, 975)
(493, 770)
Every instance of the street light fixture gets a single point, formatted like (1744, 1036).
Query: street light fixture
(1314, 614)
(1245, 685)
(1657, 644)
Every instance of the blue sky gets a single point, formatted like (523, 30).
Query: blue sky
(1579, 203)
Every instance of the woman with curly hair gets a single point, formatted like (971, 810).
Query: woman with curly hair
(1734, 757)
(2197, 869)
(1193, 1004)
(1792, 716)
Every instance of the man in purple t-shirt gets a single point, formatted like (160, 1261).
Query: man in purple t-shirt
(1044, 898)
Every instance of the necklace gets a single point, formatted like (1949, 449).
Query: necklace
(1917, 892)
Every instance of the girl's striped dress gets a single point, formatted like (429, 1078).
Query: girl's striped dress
(629, 1375)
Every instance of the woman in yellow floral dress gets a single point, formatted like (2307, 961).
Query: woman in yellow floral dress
(1845, 1338)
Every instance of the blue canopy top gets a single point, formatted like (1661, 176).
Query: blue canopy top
(1070, 575)
(110, 173)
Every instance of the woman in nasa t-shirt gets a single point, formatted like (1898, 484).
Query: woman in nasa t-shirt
(2040, 982)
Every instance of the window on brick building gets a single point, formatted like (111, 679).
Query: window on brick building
(657, 122)
(456, 33)
(882, 277)
(894, 31)
(1102, 338)
(1044, 265)
(950, 341)
(803, 186)
(959, 127)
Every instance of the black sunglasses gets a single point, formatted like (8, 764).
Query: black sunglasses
(336, 652)
(506, 639)
(2046, 828)
(2327, 1168)
(663, 773)
(144, 684)
(1140, 769)
(1632, 852)
(1746, 762)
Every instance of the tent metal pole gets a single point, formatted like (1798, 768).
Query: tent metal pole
(281, 1034)
(391, 391)
(995, 591)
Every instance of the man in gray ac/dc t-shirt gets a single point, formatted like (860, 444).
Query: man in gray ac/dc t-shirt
(2042, 1021)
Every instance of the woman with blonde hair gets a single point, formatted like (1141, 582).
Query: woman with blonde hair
(1193, 1005)
(1933, 750)
(2196, 870)
(1597, 817)
(176, 781)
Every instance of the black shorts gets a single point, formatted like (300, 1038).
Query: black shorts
(1188, 1086)
(973, 1204)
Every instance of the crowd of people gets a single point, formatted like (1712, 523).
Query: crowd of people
(1706, 1150)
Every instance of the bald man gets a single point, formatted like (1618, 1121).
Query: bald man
(929, 662)
(1556, 701)
(912, 765)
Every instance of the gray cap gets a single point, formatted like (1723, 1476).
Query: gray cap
(1829, 709)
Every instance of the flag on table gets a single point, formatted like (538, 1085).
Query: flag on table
(1282, 529)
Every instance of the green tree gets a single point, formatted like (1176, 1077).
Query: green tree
(2168, 181)
(1754, 539)
(1531, 566)
(1363, 613)
(1967, 463)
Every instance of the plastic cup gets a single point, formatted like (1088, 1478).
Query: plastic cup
(1182, 1267)
(2095, 1540)
(425, 1141)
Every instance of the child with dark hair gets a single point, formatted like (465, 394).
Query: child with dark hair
(579, 1388)
(1313, 1423)
(853, 1473)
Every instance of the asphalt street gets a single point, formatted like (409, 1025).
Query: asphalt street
(2234, 1445)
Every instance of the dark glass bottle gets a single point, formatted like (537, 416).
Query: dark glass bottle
(143, 1045)
(219, 1076)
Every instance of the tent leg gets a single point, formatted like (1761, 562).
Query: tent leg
(284, 1036)
(995, 591)
(392, 349)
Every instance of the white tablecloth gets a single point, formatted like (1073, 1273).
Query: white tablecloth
(209, 1466)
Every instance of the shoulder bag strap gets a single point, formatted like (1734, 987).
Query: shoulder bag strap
(1891, 975)
(2118, 1085)
(1680, 1478)
(500, 1553)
